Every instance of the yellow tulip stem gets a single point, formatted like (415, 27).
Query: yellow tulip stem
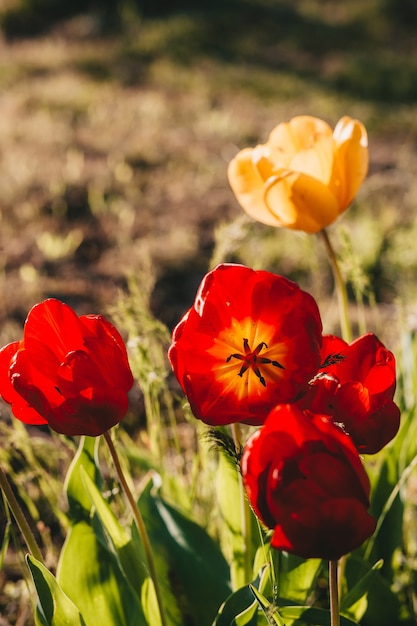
(334, 594)
(245, 512)
(19, 517)
(139, 524)
(340, 287)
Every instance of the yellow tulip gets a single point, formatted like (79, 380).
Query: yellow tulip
(305, 176)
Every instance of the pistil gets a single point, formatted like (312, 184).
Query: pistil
(252, 360)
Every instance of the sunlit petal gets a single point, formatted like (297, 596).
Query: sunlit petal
(248, 186)
(351, 160)
(300, 202)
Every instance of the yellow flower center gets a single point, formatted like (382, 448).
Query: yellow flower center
(248, 352)
(252, 360)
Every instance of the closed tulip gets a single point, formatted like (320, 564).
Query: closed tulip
(305, 176)
(305, 481)
(69, 372)
(357, 390)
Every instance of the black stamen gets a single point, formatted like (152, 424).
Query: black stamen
(251, 359)
(332, 359)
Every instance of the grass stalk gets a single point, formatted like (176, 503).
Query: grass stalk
(139, 524)
(19, 516)
(340, 288)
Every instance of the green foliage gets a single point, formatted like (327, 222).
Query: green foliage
(101, 569)
(261, 603)
(354, 603)
(241, 607)
(188, 561)
(54, 607)
(239, 527)
(96, 558)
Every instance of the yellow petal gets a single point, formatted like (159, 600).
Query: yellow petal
(300, 202)
(350, 161)
(300, 133)
(262, 161)
(248, 186)
(316, 161)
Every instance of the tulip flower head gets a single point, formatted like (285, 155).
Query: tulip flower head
(305, 176)
(69, 372)
(305, 480)
(251, 340)
(357, 391)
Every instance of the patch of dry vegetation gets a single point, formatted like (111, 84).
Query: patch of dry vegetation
(110, 145)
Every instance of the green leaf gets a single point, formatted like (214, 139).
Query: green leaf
(280, 612)
(389, 473)
(229, 497)
(248, 617)
(240, 608)
(354, 603)
(312, 615)
(192, 571)
(149, 603)
(270, 611)
(397, 461)
(89, 573)
(130, 554)
(238, 604)
(79, 500)
(383, 606)
(54, 607)
(295, 578)
(97, 565)
(131, 559)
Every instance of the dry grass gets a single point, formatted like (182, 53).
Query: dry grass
(112, 145)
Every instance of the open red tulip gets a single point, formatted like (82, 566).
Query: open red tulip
(251, 340)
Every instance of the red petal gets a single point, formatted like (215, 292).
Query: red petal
(20, 407)
(333, 529)
(107, 351)
(52, 329)
(91, 415)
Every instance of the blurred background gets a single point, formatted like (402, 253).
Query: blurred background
(118, 120)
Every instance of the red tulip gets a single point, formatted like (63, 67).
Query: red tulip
(69, 372)
(305, 480)
(357, 391)
(251, 340)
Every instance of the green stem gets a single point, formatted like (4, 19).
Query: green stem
(340, 286)
(19, 517)
(245, 513)
(334, 594)
(341, 573)
(139, 524)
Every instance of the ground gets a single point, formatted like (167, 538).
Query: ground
(116, 147)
